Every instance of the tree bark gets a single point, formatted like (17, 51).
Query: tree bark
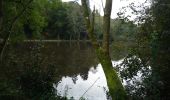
(115, 86)
(106, 26)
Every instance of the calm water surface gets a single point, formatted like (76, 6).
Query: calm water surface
(67, 69)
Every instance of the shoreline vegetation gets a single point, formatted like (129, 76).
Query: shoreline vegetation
(38, 36)
(51, 40)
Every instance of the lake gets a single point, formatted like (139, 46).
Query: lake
(46, 70)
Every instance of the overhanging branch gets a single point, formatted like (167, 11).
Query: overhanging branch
(4, 43)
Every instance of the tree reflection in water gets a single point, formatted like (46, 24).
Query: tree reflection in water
(30, 69)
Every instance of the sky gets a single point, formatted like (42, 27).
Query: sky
(116, 6)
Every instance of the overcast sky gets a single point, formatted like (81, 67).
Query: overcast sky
(116, 6)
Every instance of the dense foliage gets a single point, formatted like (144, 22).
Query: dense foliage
(147, 42)
(152, 48)
(44, 19)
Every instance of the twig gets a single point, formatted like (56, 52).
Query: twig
(89, 88)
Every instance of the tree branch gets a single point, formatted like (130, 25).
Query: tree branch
(4, 43)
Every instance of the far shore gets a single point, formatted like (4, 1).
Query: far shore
(36, 40)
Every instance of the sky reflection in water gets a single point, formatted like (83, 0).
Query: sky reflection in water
(67, 87)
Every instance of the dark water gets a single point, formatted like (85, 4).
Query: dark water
(47, 71)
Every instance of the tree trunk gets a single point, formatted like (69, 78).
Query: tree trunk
(116, 88)
(106, 26)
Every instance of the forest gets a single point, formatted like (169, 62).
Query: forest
(55, 50)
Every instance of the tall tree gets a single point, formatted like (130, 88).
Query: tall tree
(116, 89)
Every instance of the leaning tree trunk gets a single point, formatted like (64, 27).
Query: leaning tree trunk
(116, 88)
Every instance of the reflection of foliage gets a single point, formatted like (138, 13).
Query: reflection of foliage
(37, 83)
(131, 65)
(107, 93)
(28, 79)
(84, 76)
(74, 78)
(141, 81)
(29, 68)
(119, 49)
(155, 29)
(82, 98)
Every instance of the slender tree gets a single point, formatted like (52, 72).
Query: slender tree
(116, 88)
